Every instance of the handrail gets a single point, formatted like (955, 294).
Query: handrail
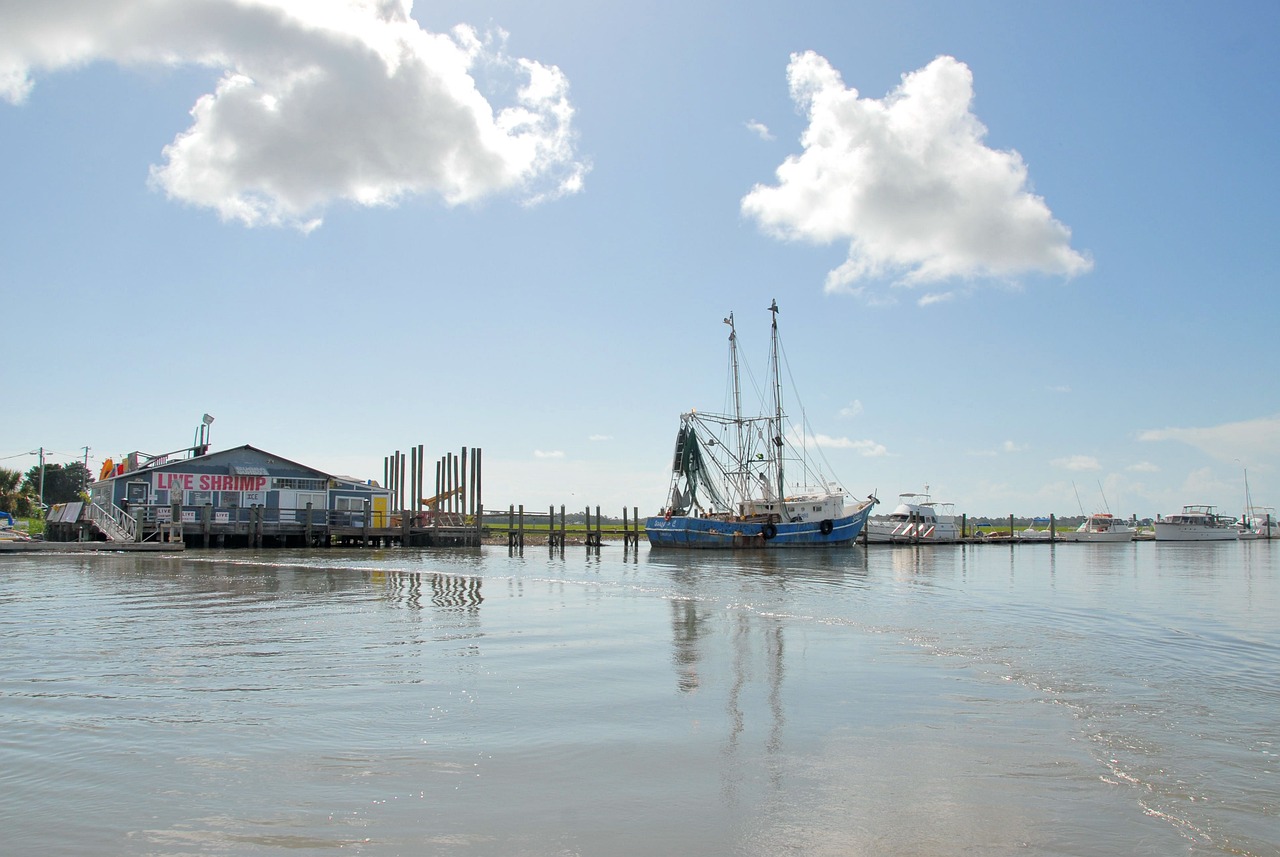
(117, 524)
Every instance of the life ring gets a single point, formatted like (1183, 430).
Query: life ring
(768, 531)
(826, 527)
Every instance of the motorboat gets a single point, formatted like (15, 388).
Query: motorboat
(917, 519)
(1102, 527)
(1196, 523)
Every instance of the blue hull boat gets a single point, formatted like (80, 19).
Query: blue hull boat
(728, 489)
(682, 531)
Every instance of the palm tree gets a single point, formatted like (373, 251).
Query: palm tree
(12, 498)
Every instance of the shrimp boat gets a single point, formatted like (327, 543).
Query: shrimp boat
(730, 483)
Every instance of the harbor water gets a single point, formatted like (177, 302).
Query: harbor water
(1068, 699)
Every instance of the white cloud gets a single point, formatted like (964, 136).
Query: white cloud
(760, 129)
(866, 448)
(1060, 388)
(852, 409)
(1010, 446)
(907, 181)
(600, 437)
(554, 453)
(1255, 441)
(319, 101)
(1143, 467)
(1078, 463)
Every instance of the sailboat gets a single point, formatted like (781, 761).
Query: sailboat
(729, 483)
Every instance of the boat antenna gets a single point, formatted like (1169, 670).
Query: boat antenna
(1105, 505)
(1078, 503)
(777, 401)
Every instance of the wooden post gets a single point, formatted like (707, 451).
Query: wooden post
(308, 530)
(175, 518)
(462, 485)
(964, 525)
(477, 474)
(414, 495)
(1053, 527)
(206, 521)
(521, 537)
(1011, 529)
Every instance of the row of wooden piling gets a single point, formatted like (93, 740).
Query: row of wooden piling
(557, 538)
(458, 482)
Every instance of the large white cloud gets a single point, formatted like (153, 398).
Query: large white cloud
(1251, 442)
(319, 100)
(908, 182)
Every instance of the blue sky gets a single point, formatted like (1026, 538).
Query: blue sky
(1023, 251)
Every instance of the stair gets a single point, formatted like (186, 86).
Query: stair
(119, 526)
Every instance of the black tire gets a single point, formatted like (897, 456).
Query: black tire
(768, 531)
(826, 527)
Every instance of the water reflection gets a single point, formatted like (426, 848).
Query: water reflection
(446, 591)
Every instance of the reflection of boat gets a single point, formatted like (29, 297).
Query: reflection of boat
(730, 488)
(916, 519)
(1101, 527)
(1196, 524)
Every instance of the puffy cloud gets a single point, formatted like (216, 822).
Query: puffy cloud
(554, 453)
(852, 409)
(908, 182)
(319, 101)
(1077, 463)
(866, 448)
(1255, 441)
(760, 129)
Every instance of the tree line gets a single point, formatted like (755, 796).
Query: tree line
(20, 492)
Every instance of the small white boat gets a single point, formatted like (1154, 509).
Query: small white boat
(1196, 523)
(1101, 527)
(1262, 522)
(916, 519)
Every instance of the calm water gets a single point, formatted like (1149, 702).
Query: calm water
(1076, 699)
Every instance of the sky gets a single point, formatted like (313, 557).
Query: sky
(1025, 254)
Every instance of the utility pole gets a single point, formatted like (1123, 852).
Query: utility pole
(40, 452)
(87, 480)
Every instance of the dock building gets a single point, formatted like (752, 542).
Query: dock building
(238, 497)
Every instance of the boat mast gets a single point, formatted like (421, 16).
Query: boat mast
(777, 403)
(739, 435)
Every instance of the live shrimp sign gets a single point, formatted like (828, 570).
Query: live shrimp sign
(207, 482)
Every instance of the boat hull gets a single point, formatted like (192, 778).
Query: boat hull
(1110, 537)
(1192, 533)
(681, 531)
(890, 532)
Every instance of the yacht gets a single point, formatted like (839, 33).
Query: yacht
(917, 519)
(1196, 524)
